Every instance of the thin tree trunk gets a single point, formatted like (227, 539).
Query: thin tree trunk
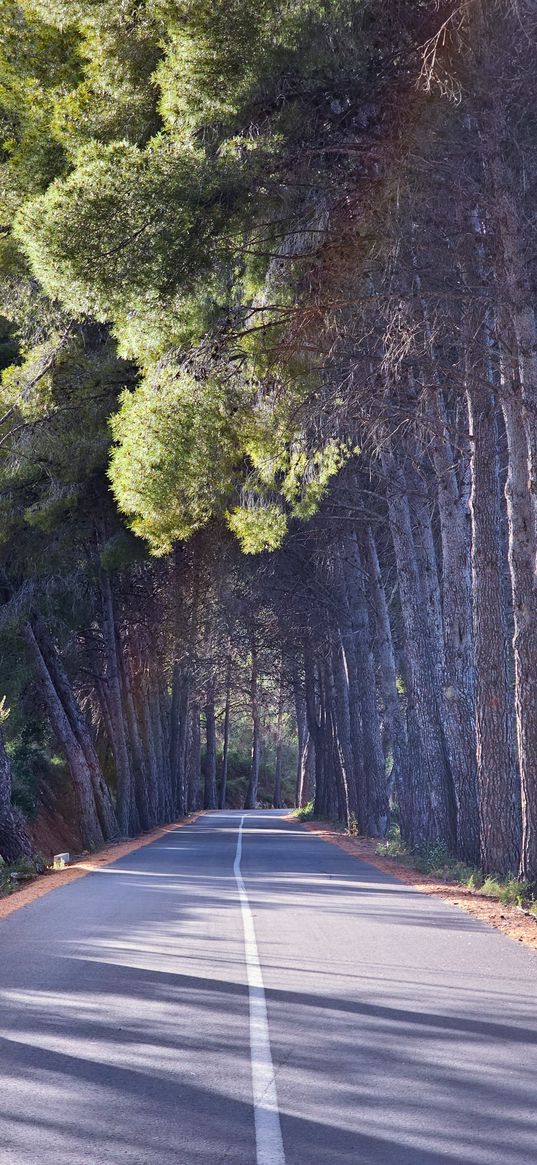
(396, 732)
(225, 750)
(251, 792)
(302, 739)
(193, 761)
(278, 768)
(210, 797)
(125, 808)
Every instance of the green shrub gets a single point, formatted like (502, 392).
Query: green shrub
(305, 812)
(507, 890)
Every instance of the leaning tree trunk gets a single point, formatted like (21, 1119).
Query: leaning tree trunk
(80, 728)
(90, 827)
(15, 840)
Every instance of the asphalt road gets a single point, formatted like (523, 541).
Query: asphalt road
(401, 1031)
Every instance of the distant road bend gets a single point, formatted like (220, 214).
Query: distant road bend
(242, 993)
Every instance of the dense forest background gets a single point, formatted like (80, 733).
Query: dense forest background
(268, 419)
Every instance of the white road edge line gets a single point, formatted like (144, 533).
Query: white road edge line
(268, 1133)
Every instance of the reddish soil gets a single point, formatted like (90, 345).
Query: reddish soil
(516, 923)
(55, 878)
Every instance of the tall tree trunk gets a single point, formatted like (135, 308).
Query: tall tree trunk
(395, 726)
(210, 797)
(522, 539)
(90, 827)
(251, 792)
(145, 790)
(125, 808)
(193, 797)
(225, 748)
(15, 840)
(459, 666)
(79, 726)
(432, 794)
(349, 806)
(302, 739)
(278, 768)
(375, 810)
(495, 751)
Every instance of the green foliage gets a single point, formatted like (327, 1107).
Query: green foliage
(227, 64)
(392, 846)
(176, 450)
(304, 812)
(258, 528)
(433, 857)
(509, 890)
(128, 227)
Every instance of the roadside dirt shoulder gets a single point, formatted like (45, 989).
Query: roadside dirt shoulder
(44, 883)
(511, 920)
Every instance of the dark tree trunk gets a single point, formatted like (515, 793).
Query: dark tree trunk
(90, 827)
(433, 818)
(251, 792)
(278, 768)
(79, 726)
(193, 761)
(522, 543)
(302, 740)
(459, 667)
(396, 737)
(225, 748)
(15, 840)
(375, 810)
(210, 796)
(495, 745)
(125, 808)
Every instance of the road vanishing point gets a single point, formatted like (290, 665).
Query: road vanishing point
(241, 992)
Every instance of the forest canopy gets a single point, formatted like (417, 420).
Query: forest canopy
(269, 417)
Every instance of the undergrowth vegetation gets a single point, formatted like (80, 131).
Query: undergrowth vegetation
(436, 861)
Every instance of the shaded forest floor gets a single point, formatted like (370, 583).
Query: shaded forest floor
(28, 892)
(515, 922)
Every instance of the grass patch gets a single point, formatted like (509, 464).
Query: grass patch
(305, 812)
(393, 846)
(437, 861)
(508, 890)
(9, 882)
